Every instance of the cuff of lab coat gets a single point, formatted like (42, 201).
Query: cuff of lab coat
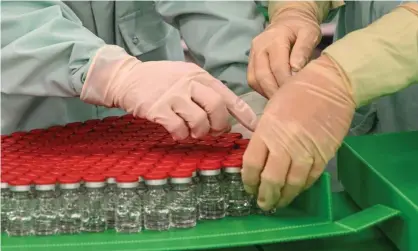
(79, 77)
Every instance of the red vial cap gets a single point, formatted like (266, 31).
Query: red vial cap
(235, 135)
(69, 179)
(242, 142)
(155, 158)
(210, 166)
(181, 173)
(155, 175)
(165, 166)
(77, 176)
(232, 163)
(127, 117)
(118, 168)
(237, 151)
(17, 134)
(137, 172)
(192, 161)
(95, 171)
(36, 131)
(128, 162)
(113, 173)
(111, 118)
(21, 169)
(191, 166)
(82, 131)
(20, 182)
(145, 165)
(4, 136)
(49, 175)
(176, 155)
(169, 161)
(57, 172)
(228, 140)
(7, 178)
(73, 124)
(46, 181)
(207, 161)
(207, 137)
(126, 178)
(32, 176)
(94, 178)
(39, 171)
(92, 121)
(137, 153)
(157, 150)
(55, 128)
(15, 173)
(213, 158)
(154, 154)
(224, 144)
(164, 145)
(235, 154)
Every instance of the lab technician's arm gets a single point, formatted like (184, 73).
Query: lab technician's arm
(306, 120)
(286, 45)
(48, 53)
(45, 50)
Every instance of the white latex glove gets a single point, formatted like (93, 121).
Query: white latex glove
(180, 96)
(284, 47)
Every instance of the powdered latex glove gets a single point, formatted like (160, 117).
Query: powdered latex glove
(180, 96)
(287, 43)
(257, 104)
(301, 129)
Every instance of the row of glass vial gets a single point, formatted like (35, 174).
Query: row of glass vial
(125, 203)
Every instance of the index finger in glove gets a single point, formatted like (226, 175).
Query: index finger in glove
(304, 46)
(236, 106)
(251, 77)
(279, 59)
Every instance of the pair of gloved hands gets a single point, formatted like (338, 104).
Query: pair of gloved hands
(307, 115)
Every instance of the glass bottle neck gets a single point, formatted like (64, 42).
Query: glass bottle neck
(156, 187)
(21, 195)
(45, 194)
(210, 179)
(233, 176)
(182, 186)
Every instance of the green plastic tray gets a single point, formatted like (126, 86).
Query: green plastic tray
(310, 216)
(383, 169)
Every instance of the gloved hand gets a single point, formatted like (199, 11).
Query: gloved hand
(257, 104)
(305, 121)
(180, 96)
(302, 127)
(285, 46)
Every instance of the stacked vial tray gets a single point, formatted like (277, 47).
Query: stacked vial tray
(387, 165)
(125, 182)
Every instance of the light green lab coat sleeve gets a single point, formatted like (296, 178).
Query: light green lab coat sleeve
(218, 35)
(45, 50)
